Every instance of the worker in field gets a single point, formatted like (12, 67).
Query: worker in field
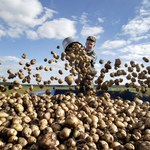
(89, 47)
(89, 53)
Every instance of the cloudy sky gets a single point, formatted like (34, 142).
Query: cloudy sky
(36, 27)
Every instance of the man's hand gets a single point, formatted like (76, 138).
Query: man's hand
(89, 57)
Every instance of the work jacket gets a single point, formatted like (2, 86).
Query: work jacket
(93, 55)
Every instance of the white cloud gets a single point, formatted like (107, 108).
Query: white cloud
(140, 25)
(137, 27)
(84, 18)
(23, 12)
(89, 29)
(9, 58)
(31, 18)
(138, 38)
(101, 20)
(92, 30)
(146, 2)
(114, 44)
(134, 52)
(19, 16)
(58, 29)
(2, 33)
(32, 35)
(35, 21)
(114, 22)
(129, 57)
(109, 53)
(142, 49)
(14, 32)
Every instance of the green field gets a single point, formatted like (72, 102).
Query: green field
(121, 88)
(50, 87)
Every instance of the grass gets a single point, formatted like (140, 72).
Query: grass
(50, 87)
(120, 88)
(35, 89)
(25, 88)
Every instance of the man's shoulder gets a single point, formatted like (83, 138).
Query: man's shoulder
(91, 51)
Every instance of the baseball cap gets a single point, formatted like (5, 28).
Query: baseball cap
(92, 38)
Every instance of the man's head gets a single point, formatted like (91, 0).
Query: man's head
(90, 43)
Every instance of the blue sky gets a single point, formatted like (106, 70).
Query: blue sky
(36, 27)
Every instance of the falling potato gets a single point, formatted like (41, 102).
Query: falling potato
(55, 56)
(117, 63)
(146, 59)
(63, 56)
(27, 64)
(31, 87)
(52, 52)
(126, 65)
(9, 71)
(24, 56)
(41, 67)
(37, 68)
(132, 63)
(33, 61)
(101, 61)
(58, 47)
(50, 61)
(46, 68)
(20, 63)
(52, 78)
(60, 72)
(50, 68)
(48, 92)
(45, 59)
(69, 79)
(60, 81)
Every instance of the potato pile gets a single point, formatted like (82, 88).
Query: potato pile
(75, 121)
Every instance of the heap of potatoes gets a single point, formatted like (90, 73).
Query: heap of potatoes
(75, 121)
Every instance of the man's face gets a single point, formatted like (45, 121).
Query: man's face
(89, 45)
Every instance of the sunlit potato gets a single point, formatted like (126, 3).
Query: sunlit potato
(24, 56)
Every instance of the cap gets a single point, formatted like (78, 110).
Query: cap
(92, 38)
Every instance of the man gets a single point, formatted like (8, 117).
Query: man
(89, 47)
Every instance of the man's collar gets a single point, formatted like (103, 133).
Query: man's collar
(90, 51)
